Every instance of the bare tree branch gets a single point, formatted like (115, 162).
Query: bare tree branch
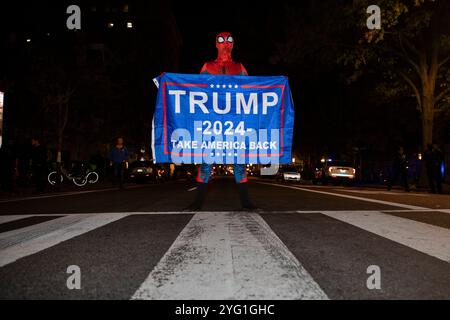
(441, 95)
(406, 56)
(409, 45)
(444, 61)
(414, 88)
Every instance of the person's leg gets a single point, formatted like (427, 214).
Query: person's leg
(121, 175)
(240, 176)
(392, 179)
(40, 179)
(114, 174)
(204, 172)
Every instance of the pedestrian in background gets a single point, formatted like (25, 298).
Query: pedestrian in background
(400, 168)
(118, 160)
(438, 157)
(433, 161)
(38, 164)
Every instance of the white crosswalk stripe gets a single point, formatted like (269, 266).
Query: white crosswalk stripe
(229, 256)
(389, 203)
(5, 219)
(23, 242)
(390, 193)
(429, 239)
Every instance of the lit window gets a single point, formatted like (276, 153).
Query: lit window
(125, 8)
(28, 40)
(129, 25)
(110, 25)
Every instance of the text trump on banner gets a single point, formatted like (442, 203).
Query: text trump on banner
(222, 119)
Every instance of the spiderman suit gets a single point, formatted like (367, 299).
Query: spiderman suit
(223, 64)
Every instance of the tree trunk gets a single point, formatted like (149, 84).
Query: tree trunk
(427, 110)
(427, 130)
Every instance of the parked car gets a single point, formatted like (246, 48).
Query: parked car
(290, 173)
(141, 171)
(334, 171)
(185, 172)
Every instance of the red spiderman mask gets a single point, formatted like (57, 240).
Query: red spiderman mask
(224, 45)
(224, 63)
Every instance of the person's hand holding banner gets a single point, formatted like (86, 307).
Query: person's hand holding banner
(222, 119)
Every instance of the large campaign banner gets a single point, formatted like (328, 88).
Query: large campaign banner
(222, 119)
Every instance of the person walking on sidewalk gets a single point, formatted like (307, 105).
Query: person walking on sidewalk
(38, 164)
(118, 160)
(433, 161)
(400, 168)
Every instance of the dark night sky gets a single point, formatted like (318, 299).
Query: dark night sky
(247, 21)
(327, 109)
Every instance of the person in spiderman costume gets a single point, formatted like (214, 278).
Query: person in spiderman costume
(223, 64)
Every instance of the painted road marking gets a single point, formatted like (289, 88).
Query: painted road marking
(23, 242)
(429, 239)
(17, 236)
(228, 256)
(391, 193)
(5, 219)
(13, 217)
(394, 204)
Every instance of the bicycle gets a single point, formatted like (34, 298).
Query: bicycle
(80, 180)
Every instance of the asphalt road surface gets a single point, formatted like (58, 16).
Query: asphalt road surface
(307, 242)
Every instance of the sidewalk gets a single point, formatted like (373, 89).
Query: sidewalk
(29, 191)
(414, 188)
(445, 187)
